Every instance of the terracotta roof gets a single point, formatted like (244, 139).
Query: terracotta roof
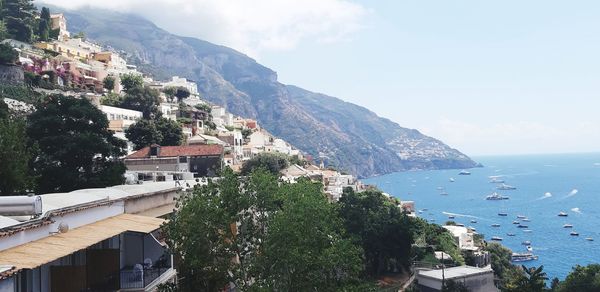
(174, 151)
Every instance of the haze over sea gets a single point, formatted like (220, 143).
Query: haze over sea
(546, 185)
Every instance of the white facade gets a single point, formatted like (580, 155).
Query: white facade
(475, 279)
(177, 81)
(126, 116)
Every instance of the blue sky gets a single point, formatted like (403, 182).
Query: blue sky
(487, 77)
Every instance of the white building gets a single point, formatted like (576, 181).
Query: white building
(119, 118)
(177, 81)
(463, 237)
(475, 279)
(221, 117)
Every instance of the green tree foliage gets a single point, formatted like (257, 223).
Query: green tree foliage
(112, 99)
(160, 131)
(109, 83)
(143, 99)
(273, 162)
(528, 280)
(246, 133)
(7, 54)
(181, 93)
(170, 93)
(305, 248)
(19, 18)
(581, 279)
(261, 235)
(131, 81)
(380, 227)
(44, 25)
(76, 149)
(432, 235)
(14, 154)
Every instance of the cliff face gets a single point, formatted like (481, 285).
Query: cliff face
(348, 136)
(11, 74)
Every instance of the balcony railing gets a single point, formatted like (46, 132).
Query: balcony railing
(138, 279)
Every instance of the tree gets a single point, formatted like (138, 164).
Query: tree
(161, 131)
(306, 248)
(14, 154)
(143, 99)
(44, 25)
(581, 279)
(75, 148)
(261, 235)
(182, 93)
(109, 83)
(19, 18)
(273, 162)
(528, 280)
(380, 227)
(131, 81)
(170, 92)
(8, 55)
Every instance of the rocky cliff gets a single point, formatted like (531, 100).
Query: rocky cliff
(351, 137)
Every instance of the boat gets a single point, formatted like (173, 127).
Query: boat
(440, 188)
(496, 180)
(472, 228)
(451, 180)
(526, 220)
(502, 214)
(527, 230)
(523, 257)
(567, 226)
(529, 248)
(425, 209)
(562, 214)
(589, 239)
(443, 193)
(574, 233)
(451, 217)
(510, 234)
(495, 225)
(521, 217)
(496, 197)
(497, 238)
(460, 225)
(516, 222)
(526, 242)
(522, 226)
(506, 187)
(473, 221)
(464, 172)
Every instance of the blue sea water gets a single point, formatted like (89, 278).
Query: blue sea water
(573, 184)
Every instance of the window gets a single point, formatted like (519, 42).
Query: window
(182, 159)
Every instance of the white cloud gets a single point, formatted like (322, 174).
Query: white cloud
(519, 137)
(249, 26)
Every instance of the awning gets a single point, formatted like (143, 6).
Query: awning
(45, 250)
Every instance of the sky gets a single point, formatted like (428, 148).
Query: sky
(486, 77)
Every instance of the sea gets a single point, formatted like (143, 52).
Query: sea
(545, 186)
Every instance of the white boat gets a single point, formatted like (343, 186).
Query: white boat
(527, 230)
(521, 217)
(523, 257)
(589, 239)
(443, 193)
(516, 222)
(510, 234)
(563, 214)
(567, 226)
(522, 226)
(464, 172)
(473, 221)
(574, 233)
(529, 248)
(496, 180)
(526, 220)
(506, 187)
(496, 238)
(451, 179)
(496, 197)
(526, 242)
(502, 214)
(451, 217)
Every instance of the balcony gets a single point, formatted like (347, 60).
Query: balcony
(141, 278)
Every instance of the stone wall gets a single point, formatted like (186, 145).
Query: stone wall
(11, 74)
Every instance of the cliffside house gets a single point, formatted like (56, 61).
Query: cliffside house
(160, 161)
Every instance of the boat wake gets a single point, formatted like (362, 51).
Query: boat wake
(572, 193)
(460, 215)
(576, 210)
(545, 196)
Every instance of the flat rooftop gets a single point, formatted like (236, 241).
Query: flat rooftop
(455, 272)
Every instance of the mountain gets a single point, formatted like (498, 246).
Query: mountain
(351, 137)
